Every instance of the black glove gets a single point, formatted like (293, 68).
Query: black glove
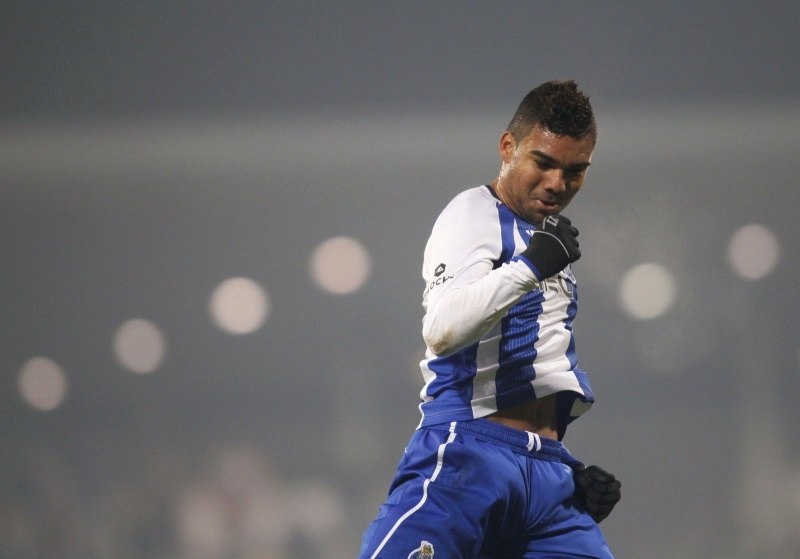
(596, 490)
(552, 246)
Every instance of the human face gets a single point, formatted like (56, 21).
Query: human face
(541, 174)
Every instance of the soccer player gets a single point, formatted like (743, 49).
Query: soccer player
(486, 474)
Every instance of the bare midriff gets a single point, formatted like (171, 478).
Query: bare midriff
(537, 416)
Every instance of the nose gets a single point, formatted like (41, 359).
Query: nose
(556, 182)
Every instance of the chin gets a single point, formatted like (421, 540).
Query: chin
(537, 217)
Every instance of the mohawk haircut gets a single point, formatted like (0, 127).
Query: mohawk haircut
(557, 106)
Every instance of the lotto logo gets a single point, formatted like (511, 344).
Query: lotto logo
(438, 273)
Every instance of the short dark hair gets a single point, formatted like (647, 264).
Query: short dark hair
(557, 106)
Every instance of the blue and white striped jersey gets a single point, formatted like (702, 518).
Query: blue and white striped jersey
(495, 336)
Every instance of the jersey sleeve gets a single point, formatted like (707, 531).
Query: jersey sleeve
(468, 290)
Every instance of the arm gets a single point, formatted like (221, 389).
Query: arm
(466, 294)
(461, 315)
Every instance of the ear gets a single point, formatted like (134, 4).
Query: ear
(507, 146)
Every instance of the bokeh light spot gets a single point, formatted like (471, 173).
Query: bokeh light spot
(647, 291)
(139, 346)
(42, 384)
(753, 252)
(340, 265)
(239, 305)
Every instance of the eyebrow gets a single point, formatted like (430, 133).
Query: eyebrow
(554, 162)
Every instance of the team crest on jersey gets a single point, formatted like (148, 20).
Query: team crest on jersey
(424, 551)
(567, 272)
(563, 283)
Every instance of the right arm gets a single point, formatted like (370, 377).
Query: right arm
(460, 315)
(466, 293)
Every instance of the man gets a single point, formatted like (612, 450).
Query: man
(486, 475)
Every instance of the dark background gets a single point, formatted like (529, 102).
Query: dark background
(151, 150)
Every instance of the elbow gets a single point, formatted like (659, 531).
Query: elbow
(440, 343)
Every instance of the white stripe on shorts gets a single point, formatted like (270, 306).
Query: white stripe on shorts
(415, 508)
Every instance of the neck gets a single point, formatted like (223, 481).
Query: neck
(497, 189)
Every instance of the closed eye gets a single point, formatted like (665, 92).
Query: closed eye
(545, 164)
(575, 171)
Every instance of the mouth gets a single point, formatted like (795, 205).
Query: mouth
(549, 206)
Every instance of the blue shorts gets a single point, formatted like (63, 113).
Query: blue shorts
(480, 490)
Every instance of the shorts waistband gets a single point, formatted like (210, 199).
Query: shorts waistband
(525, 441)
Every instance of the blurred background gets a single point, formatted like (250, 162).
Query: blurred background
(212, 218)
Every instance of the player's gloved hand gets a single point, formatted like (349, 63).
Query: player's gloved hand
(553, 246)
(596, 490)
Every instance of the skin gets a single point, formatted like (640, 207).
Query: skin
(539, 176)
(537, 416)
(542, 173)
